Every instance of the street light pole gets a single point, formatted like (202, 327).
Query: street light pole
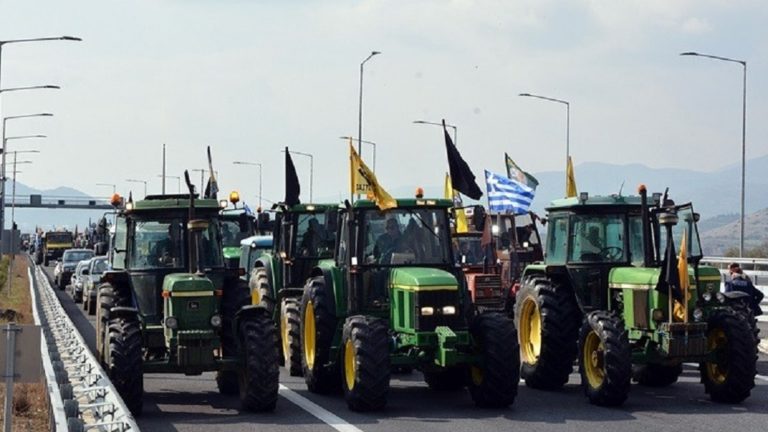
(360, 104)
(455, 129)
(139, 181)
(178, 179)
(743, 63)
(567, 125)
(311, 168)
(260, 183)
(348, 138)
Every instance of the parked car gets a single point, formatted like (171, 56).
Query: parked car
(91, 280)
(75, 286)
(66, 265)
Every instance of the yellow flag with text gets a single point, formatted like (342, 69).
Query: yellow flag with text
(570, 180)
(453, 195)
(681, 310)
(363, 182)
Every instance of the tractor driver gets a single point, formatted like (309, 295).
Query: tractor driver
(163, 251)
(388, 241)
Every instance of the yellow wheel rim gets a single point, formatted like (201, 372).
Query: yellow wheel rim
(350, 364)
(284, 338)
(255, 297)
(308, 339)
(717, 340)
(477, 375)
(530, 331)
(593, 360)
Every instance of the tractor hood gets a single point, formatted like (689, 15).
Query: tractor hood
(231, 252)
(634, 277)
(422, 279)
(187, 283)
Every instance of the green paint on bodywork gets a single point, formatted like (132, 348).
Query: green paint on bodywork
(232, 252)
(173, 203)
(639, 276)
(410, 202)
(415, 278)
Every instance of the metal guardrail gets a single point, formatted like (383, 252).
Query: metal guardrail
(81, 396)
(755, 268)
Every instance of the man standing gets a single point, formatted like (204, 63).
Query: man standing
(741, 282)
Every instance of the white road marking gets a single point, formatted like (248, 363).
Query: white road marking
(316, 410)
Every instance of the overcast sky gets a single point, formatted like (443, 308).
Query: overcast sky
(250, 77)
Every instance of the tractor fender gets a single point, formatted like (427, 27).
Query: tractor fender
(115, 277)
(266, 262)
(123, 312)
(332, 277)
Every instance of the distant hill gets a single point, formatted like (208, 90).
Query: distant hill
(716, 241)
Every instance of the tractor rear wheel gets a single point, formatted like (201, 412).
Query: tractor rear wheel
(261, 289)
(547, 319)
(108, 296)
(657, 375)
(125, 361)
(365, 353)
(493, 383)
(318, 326)
(605, 360)
(729, 378)
(290, 331)
(448, 379)
(260, 375)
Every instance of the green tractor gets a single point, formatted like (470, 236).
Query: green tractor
(169, 305)
(237, 224)
(605, 294)
(393, 297)
(303, 235)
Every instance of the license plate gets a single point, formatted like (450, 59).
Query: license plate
(193, 305)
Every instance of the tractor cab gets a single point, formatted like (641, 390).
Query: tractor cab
(237, 224)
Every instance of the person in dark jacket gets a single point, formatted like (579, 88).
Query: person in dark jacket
(741, 282)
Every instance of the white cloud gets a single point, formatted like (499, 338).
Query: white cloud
(696, 26)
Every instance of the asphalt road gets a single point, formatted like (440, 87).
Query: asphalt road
(183, 403)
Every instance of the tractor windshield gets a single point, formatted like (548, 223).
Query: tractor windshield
(314, 237)
(406, 237)
(468, 250)
(231, 234)
(157, 244)
(597, 238)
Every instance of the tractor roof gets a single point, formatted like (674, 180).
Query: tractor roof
(169, 203)
(312, 208)
(576, 203)
(410, 202)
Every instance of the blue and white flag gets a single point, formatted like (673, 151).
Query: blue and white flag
(506, 195)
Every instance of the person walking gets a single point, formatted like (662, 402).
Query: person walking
(741, 282)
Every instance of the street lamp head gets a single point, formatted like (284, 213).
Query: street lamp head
(689, 53)
(70, 38)
(373, 53)
(51, 87)
(419, 121)
(524, 94)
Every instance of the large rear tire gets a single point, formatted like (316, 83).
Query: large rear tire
(493, 383)
(729, 378)
(107, 297)
(365, 354)
(260, 375)
(235, 296)
(262, 291)
(605, 360)
(125, 361)
(547, 319)
(290, 335)
(318, 327)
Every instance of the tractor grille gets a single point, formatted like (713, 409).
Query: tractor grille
(437, 300)
(488, 290)
(684, 339)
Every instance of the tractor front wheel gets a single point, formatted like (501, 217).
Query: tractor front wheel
(493, 382)
(730, 375)
(260, 375)
(605, 360)
(261, 289)
(318, 326)
(547, 319)
(365, 353)
(290, 331)
(125, 361)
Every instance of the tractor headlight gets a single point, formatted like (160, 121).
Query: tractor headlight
(427, 311)
(172, 323)
(698, 314)
(216, 321)
(449, 310)
(720, 297)
(707, 296)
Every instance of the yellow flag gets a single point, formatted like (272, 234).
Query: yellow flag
(451, 194)
(363, 181)
(681, 311)
(570, 180)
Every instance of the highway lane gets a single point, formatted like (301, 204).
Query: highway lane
(182, 403)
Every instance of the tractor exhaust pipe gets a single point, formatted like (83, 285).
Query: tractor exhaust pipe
(192, 230)
(645, 216)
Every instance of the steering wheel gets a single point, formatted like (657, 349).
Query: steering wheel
(612, 253)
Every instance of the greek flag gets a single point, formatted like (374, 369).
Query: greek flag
(506, 195)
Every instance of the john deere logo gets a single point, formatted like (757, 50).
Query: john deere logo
(193, 305)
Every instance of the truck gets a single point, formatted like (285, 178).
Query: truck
(53, 245)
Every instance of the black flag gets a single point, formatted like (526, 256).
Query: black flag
(462, 178)
(669, 279)
(292, 187)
